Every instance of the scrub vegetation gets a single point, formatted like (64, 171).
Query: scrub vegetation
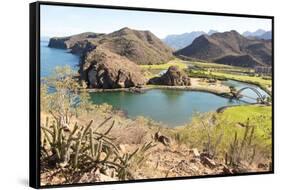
(84, 142)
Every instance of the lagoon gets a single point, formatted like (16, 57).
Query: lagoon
(170, 107)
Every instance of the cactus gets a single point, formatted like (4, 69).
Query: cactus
(242, 149)
(85, 148)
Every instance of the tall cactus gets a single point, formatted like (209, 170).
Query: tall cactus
(87, 148)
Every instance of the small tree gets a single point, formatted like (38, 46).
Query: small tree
(64, 96)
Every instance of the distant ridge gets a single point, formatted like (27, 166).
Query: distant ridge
(258, 34)
(179, 41)
(229, 48)
(254, 34)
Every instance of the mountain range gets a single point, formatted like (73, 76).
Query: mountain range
(258, 34)
(229, 48)
(112, 60)
(179, 41)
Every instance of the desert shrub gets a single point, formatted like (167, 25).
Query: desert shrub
(218, 134)
(64, 96)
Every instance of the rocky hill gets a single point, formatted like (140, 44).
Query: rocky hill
(229, 48)
(70, 41)
(141, 47)
(111, 60)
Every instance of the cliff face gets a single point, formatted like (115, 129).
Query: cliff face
(105, 69)
(229, 48)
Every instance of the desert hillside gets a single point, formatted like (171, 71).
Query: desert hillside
(229, 48)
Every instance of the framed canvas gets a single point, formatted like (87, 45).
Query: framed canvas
(126, 94)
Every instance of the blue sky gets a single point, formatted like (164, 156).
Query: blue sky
(64, 21)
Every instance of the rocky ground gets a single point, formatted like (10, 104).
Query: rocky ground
(167, 158)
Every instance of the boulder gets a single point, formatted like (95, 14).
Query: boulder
(173, 77)
(105, 69)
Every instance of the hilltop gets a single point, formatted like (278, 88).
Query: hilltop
(141, 47)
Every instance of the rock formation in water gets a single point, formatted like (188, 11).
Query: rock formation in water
(173, 77)
(105, 69)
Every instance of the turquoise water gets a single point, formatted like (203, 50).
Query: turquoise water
(52, 57)
(171, 107)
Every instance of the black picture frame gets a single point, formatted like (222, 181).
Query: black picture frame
(34, 90)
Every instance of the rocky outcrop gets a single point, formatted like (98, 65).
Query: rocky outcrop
(173, 77)
(71, 41)
(105, 69)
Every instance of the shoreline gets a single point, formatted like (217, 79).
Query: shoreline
(151, 87)
(145, 88)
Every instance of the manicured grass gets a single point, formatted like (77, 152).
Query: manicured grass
(245, 78)
(259, 116)
(174, 62)
(253, 112)
(213, 65)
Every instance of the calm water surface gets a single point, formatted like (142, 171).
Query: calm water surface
(52, 57)
(172, 107)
